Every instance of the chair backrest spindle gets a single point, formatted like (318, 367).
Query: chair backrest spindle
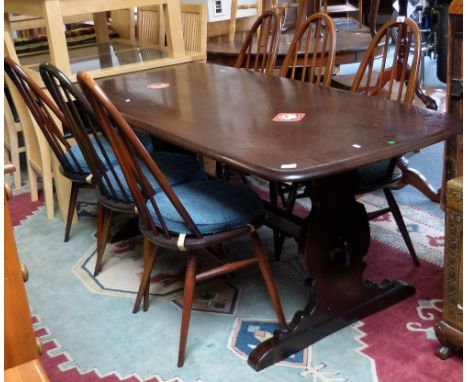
(313, 63)
(41, 107)
(261, 44)
(84, 127)
(395, 66)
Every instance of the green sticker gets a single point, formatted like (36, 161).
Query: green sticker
(391, 142)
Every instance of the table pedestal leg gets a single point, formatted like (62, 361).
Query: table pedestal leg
(332, 245)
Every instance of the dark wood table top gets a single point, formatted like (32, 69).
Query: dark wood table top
(227, 114)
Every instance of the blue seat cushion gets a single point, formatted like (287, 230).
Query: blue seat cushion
(81, 166)
(376, 173)
(178, 168)
(214, 205)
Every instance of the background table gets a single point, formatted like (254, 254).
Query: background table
(351, 44)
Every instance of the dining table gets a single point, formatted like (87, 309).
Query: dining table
(290, 131)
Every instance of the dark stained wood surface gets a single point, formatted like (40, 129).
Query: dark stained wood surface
(227, 113)
(351, 44)
(350, 47)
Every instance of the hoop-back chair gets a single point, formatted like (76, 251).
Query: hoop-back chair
(114, 195)
(310, 58)
(260, 47)
(41, 107)
(184, 218)
(312, 52)
(396, 80)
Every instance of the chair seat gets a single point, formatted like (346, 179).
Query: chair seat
(178, 168)
(81, 166)
(215, 206)
(377, 174)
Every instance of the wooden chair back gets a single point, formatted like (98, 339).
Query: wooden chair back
(41, 106)
(194, 26)
(130, 153)
(260, 47)
(151, 26)
(379, 79)
(312, 52)
(84, 127)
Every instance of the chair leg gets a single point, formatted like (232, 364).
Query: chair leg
(267, 276)
(277, 244)
(15, 158)
(32, 180)
(288, 206)
(104, 220)
(401, 224)
(48, 187)
(189, 289)
(149, 254)
(418, 181)
(71, 209)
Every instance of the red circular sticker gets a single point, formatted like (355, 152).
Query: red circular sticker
(158, 85)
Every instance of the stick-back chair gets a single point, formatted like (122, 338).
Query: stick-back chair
(184, 218)
(312, 52)
(114, 195)
(260, 47)
(46, 113)
(394, 78)
(396, 75)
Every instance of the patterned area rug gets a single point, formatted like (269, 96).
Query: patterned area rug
(90, 334)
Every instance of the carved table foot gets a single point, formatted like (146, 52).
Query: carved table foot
(332, 244)
(316, 322)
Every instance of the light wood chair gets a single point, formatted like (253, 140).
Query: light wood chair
(192, 226)
(12, 131)
(194, 27)
(38, 154)
(150, 26)
(235, 6)
(123, 23)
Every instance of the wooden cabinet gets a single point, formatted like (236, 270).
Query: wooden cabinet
(453, 161)
(450, 330)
